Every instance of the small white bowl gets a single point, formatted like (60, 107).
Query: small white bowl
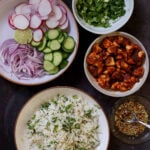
(45, 96)
(115, 25)
(114, 93)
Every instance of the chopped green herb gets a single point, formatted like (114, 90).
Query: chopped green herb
(68, 108)
(55, 128)
(68, 124)
(100, 12)
(45, 105)
(88, 113)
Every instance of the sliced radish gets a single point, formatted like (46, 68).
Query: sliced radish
(65, 25)
(10, 21)
(35, 5)
(20, 22)
(44, 8)
(57, 12)
(63, 9)
(52, 22)
(63, 19)
(44, 28)
(44, 17)
(37, 35)
(27, 9)
(35, 21)
(34, 2)
(18, 8)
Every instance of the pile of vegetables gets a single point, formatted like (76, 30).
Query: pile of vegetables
(56, 46)
(100, 12)
(36, 13)
(41, 44)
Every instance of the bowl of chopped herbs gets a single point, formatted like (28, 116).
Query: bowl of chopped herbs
(102, 16)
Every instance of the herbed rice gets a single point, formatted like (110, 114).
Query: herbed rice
(64, 123)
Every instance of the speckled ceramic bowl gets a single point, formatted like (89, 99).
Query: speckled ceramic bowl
(116, 93)
(34, 104)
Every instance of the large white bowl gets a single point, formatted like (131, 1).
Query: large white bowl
(6, 7)
(115, 25)
(137, 85)
(35, 102)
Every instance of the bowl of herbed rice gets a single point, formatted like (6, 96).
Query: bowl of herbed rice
(62, 118)
(102, 16)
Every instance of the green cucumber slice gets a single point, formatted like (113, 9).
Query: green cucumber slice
(55, 45)
(68, 44)
(53, 34)
(57, 58)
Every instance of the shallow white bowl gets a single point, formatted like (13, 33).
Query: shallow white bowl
(137, 85)
(6, 7)
(44, 96)
(117, 24)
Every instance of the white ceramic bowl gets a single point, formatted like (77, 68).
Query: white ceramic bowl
(136, 86)
(115, 25)
(6, 7)
(44, 96)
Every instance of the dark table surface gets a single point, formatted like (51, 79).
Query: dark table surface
(13, 97)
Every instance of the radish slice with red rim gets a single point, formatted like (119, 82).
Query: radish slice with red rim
(52, 22)
(63, 19)
(10, 21)
(20, 22)
(63, 9)
(65, 25)
(35, 21)
(18, 8)
(44, 8)
(37, 35)
(27, 9)
(57, 12)
(44, 17)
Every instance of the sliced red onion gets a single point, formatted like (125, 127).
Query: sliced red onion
(24, 60)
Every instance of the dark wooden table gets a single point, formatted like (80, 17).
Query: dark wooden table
(13, 97)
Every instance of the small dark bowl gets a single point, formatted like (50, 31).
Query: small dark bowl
(128, 139)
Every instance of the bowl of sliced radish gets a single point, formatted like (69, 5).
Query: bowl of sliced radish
(39, 40)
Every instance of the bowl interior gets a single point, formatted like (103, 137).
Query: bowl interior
(112, 93)
(34, 103)
(141, 138)
(115, 25)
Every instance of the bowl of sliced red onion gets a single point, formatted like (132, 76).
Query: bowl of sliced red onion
(39, 40)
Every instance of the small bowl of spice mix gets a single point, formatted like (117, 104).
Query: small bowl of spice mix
(122, 112)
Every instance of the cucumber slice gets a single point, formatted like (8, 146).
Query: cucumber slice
(65, 34)
(61, 38)
(48, 57)
(65, 55)
(48, 44)
(43, 44)
(53, 34)
(63, 64)
(48, 66)
(54, 71)
(68, 44)
(57, 58)
(35, 44)
(47, 50)
(55, 45)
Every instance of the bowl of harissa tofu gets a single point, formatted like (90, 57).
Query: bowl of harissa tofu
(116, 64)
